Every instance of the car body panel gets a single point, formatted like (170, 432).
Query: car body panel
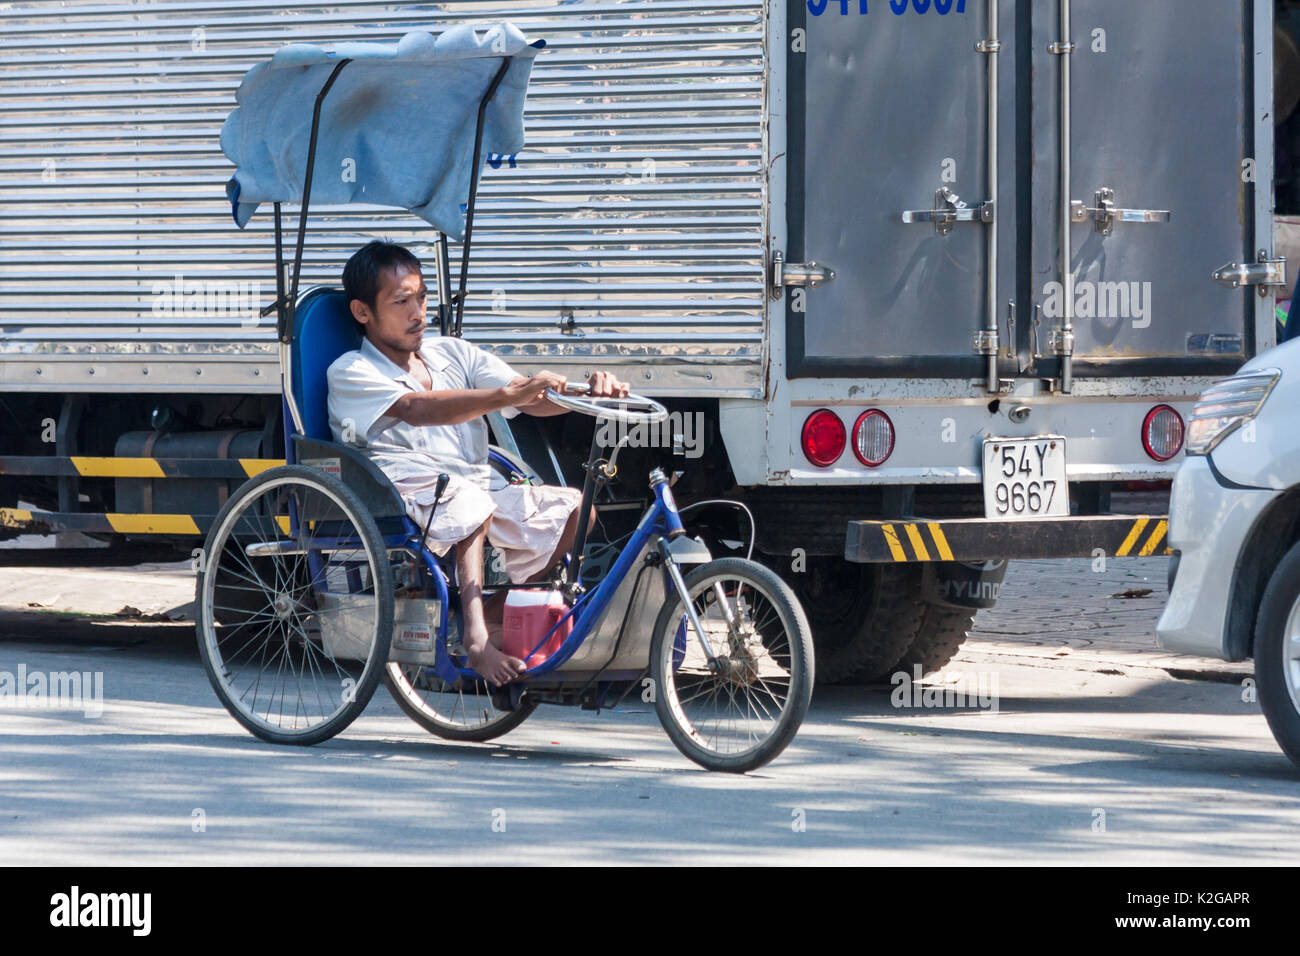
(1208, 525)
(1216, 505)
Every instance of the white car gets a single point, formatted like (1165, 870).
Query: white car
(1234, 527)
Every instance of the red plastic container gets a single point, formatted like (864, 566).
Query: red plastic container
(528, 617)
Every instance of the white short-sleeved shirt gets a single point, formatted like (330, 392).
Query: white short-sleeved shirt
(364, 384)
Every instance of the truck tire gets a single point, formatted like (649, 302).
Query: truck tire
(1277, 669)
(939, 637)
(864, 617)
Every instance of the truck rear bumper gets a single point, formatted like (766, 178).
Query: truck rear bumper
(985, 539)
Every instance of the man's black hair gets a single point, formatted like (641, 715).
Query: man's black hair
(361, 274)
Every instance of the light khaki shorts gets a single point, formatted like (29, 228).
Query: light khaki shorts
(527, 520)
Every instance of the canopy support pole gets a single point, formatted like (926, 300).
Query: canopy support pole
(473, 193)
(281, 314)
(286, 334)
(444, 285)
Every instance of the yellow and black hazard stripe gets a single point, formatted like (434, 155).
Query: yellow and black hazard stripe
(111, 467)
(25, 520)
(982, 539)
(913, 535)
(46, 522)
(1149, 543)
(30, 521)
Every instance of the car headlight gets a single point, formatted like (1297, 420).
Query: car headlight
(1225, 406)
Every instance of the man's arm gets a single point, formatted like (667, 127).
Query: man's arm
(456, 406)
(527, 393)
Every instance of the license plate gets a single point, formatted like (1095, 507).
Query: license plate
(1025, 477)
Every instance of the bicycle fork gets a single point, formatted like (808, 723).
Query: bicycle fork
(675, 575)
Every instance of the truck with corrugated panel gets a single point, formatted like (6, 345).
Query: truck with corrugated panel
(929, 285)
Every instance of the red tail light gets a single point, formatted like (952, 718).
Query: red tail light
(823, 438)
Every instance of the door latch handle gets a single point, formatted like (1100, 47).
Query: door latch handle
(1105, 213)
(949, 208)
(1033, 332)
(1011, 329)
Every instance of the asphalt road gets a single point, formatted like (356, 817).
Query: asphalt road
(1097, 754)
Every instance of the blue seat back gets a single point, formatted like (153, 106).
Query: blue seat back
(323, 330)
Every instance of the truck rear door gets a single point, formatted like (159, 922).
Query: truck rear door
(933, 167)
(895, 109)
(1162, 151)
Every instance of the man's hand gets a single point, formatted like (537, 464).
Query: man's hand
(530, 391)
(602, 385)
(605, 385)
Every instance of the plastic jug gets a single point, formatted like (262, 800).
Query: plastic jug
(528, 617)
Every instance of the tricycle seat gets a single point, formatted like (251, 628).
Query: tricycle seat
(323, 330)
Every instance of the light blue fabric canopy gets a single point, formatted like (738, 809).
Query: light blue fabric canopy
(396, 129)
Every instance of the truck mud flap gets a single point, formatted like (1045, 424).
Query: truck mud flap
(984, 539)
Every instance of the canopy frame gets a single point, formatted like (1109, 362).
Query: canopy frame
(449, 322)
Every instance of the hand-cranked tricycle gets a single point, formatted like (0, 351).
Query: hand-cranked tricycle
(316, 582)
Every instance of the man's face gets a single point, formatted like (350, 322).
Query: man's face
(399, 315)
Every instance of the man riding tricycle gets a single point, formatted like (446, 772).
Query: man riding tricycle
(364, 557)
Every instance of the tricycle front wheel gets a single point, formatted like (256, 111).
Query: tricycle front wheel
(742, 711)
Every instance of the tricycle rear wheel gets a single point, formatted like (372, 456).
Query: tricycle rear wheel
(299, 656)
(464, 713)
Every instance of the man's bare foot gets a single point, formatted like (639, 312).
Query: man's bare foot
(498, 667)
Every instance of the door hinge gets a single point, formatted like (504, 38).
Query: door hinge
(985, 342)
(1061, 342)
(1265, 272)
(807, 274)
